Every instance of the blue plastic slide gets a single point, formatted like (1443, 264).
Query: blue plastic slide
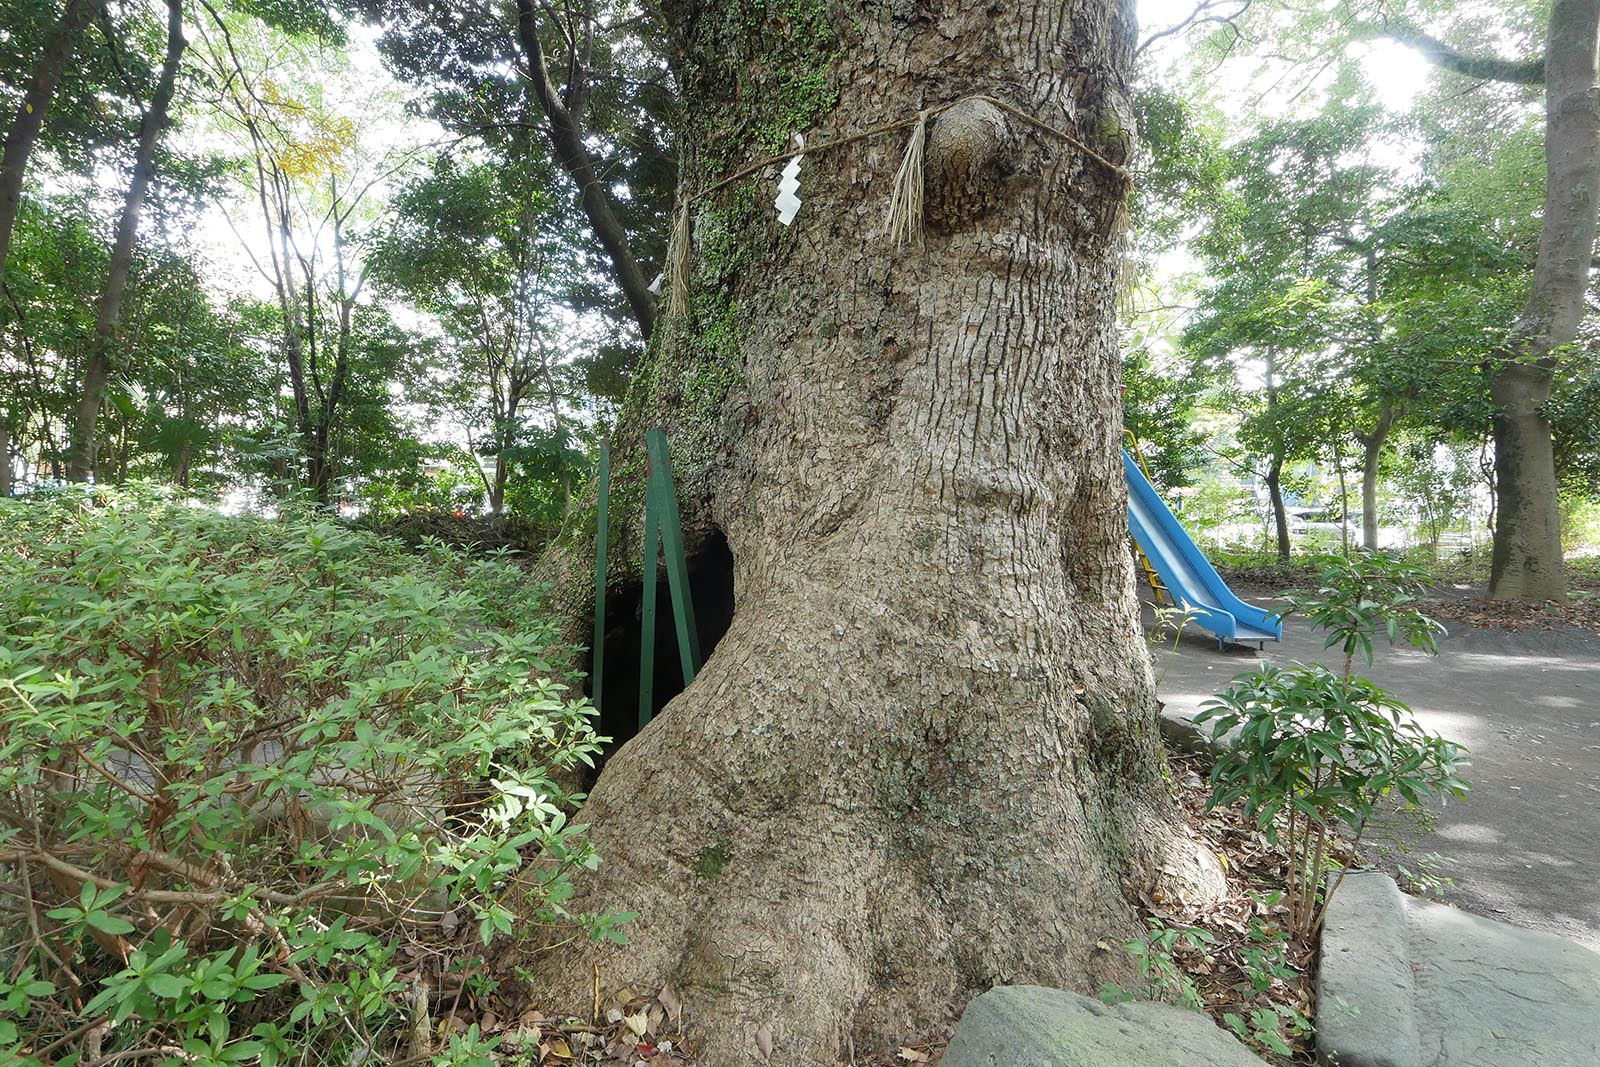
(1190, 578)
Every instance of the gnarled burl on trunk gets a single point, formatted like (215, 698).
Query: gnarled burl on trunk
(923, 760)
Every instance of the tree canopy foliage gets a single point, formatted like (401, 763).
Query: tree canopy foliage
(395, 254)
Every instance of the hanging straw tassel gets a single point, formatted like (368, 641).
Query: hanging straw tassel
(1127, 270)
(678, 264)
(904, 222)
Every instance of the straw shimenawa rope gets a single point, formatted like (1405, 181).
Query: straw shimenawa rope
(903, 222)
(678, 263)
(1127, 269)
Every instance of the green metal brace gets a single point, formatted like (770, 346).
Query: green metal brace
(603, 522)
(663, 529)
(663, 535)
(665, 497)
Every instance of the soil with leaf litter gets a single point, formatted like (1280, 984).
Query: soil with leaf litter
(1237, 969)
(1224, 959)
(622, 1028)
(1581, 610)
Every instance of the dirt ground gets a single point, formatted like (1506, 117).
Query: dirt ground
(1525, 849)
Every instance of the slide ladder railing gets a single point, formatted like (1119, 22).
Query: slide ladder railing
(1150, 575)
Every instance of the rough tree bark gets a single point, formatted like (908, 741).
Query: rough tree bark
(924, 758)
(108, 312)
(1527, 561)
(31, 112)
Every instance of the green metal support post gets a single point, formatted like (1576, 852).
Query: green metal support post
(647, 633)
(663, 536)
(672, 548)
(602, 522)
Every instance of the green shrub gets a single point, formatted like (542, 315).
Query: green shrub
(1366, 596)
(1168, 957)
(1317, 749)
(1263, 958)
(1254, 565)
(250, 769)
(1163, 977)
(1320, 750)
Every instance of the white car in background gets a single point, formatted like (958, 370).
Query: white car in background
(1322, 526)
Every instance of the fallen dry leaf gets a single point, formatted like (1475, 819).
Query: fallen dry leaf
(670, 1002)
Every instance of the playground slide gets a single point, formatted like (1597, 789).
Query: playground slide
(1189, 576)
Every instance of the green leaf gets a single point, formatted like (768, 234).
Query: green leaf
(109, 924)
(1274, 1041)
(166, 986)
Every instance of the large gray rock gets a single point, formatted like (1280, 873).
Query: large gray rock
(1182, 735)
(1366, 995)
(1407, 983)
(1030, 1026)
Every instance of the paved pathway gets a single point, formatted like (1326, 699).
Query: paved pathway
(1526, 846)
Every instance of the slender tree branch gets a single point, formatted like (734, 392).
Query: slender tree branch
(1484, 68)
(1201, 15)
(566, 137)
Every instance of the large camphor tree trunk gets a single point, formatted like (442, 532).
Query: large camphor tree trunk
(1527, 561)
(923, 760)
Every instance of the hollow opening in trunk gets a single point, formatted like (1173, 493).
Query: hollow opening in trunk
(711, 588)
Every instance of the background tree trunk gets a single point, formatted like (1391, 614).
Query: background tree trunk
(1371, 456)
(1526, 559)
(924, 758)
(1527, 562)
(319, 465)
(497, 488)
(1280, 516)
(31, 112)
(97, 367)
